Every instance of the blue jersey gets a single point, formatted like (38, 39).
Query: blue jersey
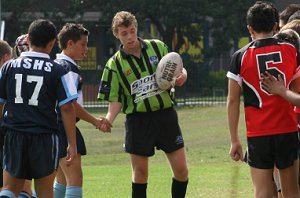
(73, 70)
(30, 87)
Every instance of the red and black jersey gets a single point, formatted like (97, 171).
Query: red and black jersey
(265, 114)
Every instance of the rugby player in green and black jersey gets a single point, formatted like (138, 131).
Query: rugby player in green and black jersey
(128, 83)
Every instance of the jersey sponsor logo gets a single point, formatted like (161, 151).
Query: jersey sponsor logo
(34, 64)
(145, 88)
(153, 60)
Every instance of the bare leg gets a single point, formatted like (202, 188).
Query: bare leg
(289, 181)
(178, 163)
(11, 183)
(72, 174)
(139, 166)
(44, 186)
(60, 177)
(262, 182)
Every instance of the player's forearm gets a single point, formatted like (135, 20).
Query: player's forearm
(233, 113)
(69, 120)
(113, 110)
(84, 114)
(290, 96)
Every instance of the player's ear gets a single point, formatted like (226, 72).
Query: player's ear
(50, 45)
(275, 28)
(251, 32)
(69, 43)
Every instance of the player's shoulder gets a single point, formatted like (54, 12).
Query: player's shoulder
(6, 66)
(158, 42)
(112, 61)
(67, 65)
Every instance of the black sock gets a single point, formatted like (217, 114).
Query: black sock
(179, 188)
(139, 190)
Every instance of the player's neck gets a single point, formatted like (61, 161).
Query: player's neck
(40, 50)
(136, 51)
(69, 54)
(263, 35)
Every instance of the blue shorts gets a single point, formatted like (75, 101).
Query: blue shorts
(266, 151)
(63, 141)
(30, 155)
(145, 131)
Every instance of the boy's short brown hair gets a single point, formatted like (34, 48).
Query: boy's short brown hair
(122, 18)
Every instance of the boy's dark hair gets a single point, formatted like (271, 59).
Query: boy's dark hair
(41, 32)
(294, 16)
(288, 11)
(71, 31)
(262, 16)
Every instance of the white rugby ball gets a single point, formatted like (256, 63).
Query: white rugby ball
(168, 68)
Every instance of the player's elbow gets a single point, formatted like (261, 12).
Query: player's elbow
(67, 108)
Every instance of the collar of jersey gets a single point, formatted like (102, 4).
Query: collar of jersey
(35, 54)
(143, 45)
(65, 57)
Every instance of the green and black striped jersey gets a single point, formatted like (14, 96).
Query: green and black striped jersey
(131, 80)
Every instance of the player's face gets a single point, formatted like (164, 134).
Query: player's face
(128, 36)
(79, 48)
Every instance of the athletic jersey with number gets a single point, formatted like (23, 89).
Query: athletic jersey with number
(74, 72)
(265, 114)
(30, 87)
(131, 80)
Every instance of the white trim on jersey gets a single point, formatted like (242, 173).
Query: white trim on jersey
(256, 93)
(65, 57)
(235, 77)
(35, 54)
(80, 98)
(69, 87)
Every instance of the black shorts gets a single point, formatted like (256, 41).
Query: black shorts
(266, 151)
(145, 131)
(29, 155)
(63, 141)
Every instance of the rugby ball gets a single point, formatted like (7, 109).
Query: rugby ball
(168, 68)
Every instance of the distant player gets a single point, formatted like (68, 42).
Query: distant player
(5, 52)
(271, 123)
(73, 40)
(287, 13)
(5, 55)
(30, 88)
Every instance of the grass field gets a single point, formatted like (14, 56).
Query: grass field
(212, 174)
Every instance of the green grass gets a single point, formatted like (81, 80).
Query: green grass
(107, 170)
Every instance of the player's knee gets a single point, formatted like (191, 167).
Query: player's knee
(182, 174)
(140, 176)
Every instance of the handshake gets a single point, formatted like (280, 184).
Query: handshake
(102, 124)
